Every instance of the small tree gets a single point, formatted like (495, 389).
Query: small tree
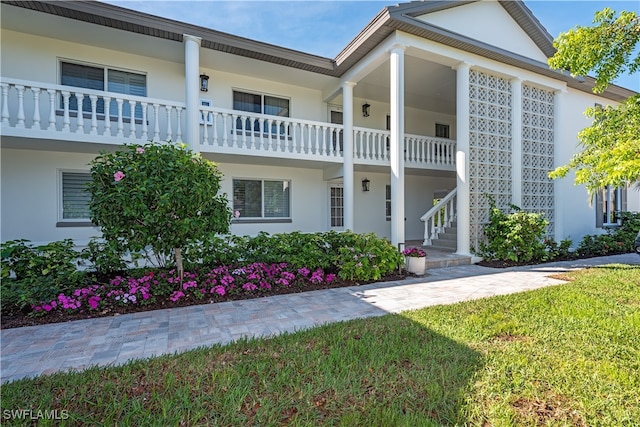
(611, 154)
(158, 197)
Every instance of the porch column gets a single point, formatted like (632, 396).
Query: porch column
(516, 141)
(462, 153)
(347, 152)
(558, 202)
(396, 153)
(192, 90)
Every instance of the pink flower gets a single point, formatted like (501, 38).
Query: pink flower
(94, 301)
(140, 150)
(236, 214)
(118, 176)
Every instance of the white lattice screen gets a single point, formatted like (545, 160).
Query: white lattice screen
(490, 149)
(537, 152)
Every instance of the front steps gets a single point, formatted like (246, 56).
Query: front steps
(441, 257)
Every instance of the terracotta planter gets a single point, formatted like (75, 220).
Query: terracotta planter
(416, 265)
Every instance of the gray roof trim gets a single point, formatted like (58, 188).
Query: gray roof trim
(108, 15)
(388, 20)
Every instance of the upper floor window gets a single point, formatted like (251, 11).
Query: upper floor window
(442, 131)
(101, 78)
(260, 104)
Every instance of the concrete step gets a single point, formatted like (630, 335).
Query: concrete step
(445, 244)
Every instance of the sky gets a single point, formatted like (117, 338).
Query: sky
(325, 27)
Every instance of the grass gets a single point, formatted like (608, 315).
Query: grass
(564, 355)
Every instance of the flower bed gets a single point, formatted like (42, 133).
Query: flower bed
(225, 281)
(159, 289)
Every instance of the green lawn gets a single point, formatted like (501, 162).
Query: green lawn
(564, 355)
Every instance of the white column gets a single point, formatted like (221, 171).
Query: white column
(192, 91)
(516, 141)
(347, 150)
(558, 201)
(397, 144)
(462, 154)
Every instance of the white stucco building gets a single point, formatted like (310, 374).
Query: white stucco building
(431, 100)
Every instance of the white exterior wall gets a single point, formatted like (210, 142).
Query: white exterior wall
(165, 79)
(370, 206)
(304, 103)
(500, 29)
(417, 122)
(308, 197)
(31, 195)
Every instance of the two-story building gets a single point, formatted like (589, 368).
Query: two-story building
(432, 100)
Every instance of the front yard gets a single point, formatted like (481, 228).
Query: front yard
(564, 355)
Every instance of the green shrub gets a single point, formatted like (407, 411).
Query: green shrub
(367, 257)
(555, 250)
(517, 236)
(36, 273)
(618, 239)
(108, 256)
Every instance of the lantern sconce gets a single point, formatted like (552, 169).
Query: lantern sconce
(365, 184)
(204, 82)
(365, 110)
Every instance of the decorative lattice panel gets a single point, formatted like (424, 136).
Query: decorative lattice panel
(537, 152)
(489, 148)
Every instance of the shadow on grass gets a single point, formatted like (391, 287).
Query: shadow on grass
(387, 370)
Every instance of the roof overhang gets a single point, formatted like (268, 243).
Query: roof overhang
(387, 21)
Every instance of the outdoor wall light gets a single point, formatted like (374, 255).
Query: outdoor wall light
(204, 82)
(365, 110)
(365, 184)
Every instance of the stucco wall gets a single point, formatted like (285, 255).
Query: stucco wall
(30, 195)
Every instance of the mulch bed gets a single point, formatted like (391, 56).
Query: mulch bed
(19, 319)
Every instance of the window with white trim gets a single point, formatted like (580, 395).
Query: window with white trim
(337, 206)
(260, 104)
(608, 204)
(261, 198)
(442, 130)
(74, 196)
(99, 78)
(387, 202)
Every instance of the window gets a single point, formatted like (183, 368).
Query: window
(608, 204)
(260, 104)
(387, 202)
(98, 78)
(261, 198)
(442, 131)
(75, 197)
(337, 206)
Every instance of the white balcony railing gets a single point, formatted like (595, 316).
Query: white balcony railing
(51, 111)
(235, 132)
(48, 111)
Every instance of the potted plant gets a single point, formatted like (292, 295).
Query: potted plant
(415, 260)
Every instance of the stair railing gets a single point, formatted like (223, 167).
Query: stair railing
(441, 215)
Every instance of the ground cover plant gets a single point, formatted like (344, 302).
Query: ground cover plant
(562, 355)
(35, 289)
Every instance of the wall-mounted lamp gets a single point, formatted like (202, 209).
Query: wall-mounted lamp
(365, 110)
(365, 184)
(204, 82)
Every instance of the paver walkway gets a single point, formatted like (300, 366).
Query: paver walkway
(36, 350)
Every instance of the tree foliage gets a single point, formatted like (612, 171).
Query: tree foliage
(611, 146)
(158, 197)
